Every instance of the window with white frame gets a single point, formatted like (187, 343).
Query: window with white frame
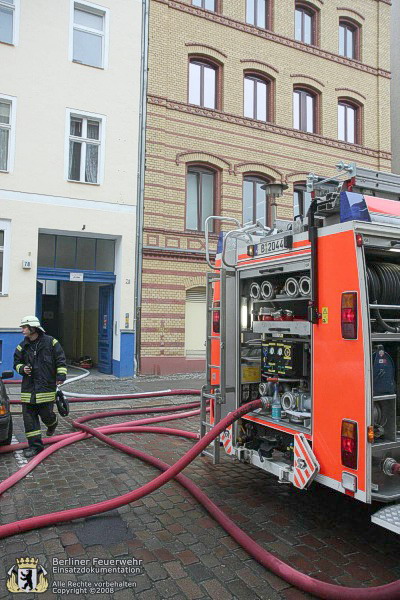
(4, 255)
(7, 21)
(5, 133)
(85, 138)
(89, 35)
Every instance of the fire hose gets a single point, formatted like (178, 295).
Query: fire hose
(304, 582)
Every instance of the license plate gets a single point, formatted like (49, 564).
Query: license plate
(271, 246)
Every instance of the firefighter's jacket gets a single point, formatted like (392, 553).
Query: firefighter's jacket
(47, 361)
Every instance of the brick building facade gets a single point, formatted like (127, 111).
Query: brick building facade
(239, 94)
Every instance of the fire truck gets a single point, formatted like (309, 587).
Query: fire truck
(306, 316)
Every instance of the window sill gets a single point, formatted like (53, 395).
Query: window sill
(3, 295)
(83, 182)
(1, 171)
(7, 43)
(77, 62)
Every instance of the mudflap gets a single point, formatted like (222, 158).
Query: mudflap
(305, 466)
(388, 517)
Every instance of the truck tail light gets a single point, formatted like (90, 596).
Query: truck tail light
(349, 315)
(349, 444)
(216, 318)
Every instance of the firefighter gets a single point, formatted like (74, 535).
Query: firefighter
(40, 359)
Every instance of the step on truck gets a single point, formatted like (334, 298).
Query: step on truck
(306, 316)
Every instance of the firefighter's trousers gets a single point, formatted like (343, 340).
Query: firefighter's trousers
(31, 414)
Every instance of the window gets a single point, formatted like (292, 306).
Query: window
(257, 13)
(348, 126)
(256, 98)
(206, 4)
(305, 24)
(301, 199)
(7, 132)
(70, 252)
(255, 200)
(89, 35)
(8, 18)
(85, 147)
(4, 255)
(202, 84)
(200, 192)
(348, 40)
(304, 108)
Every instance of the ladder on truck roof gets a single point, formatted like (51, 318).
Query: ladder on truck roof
(211, 393)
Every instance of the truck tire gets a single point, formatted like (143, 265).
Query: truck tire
(7, 441)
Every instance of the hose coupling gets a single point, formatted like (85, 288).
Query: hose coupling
(391, 467)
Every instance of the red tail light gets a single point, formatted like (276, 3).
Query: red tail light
(349, 316)
(216, 318)
(349, 444)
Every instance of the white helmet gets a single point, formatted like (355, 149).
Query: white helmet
(31, 321)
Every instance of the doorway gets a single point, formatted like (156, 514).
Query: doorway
(80, 315)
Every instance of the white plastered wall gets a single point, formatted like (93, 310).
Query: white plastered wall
(35, 196)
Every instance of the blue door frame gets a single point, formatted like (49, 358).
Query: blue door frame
(106, 306)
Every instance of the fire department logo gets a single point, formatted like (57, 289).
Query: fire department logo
(27, 576)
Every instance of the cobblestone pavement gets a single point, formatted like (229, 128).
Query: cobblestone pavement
(184, 553)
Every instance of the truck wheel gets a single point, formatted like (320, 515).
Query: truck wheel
(7, 441)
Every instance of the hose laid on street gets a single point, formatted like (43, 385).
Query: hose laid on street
(304, 582)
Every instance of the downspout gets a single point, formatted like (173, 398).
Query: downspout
(140, 183)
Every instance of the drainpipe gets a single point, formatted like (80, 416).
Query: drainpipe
(140, 183)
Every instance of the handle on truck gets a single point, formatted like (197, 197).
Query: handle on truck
(207, 231)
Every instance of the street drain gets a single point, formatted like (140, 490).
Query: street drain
(105, 530)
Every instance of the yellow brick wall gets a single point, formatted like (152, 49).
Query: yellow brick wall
(178, 133)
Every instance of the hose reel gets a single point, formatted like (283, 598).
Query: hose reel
(384, 288)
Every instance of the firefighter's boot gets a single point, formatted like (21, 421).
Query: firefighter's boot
(32, 451)
(51, 428)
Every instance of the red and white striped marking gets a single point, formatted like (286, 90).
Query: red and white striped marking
(226, 439)
(305, 466)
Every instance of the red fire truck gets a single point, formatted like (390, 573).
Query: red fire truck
(306, 315)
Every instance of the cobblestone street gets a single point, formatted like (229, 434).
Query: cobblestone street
(184, 553)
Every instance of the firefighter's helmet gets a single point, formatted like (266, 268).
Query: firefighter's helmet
(31, 321)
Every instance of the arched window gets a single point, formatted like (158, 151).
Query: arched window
(257, 97)
(301, 199)
(258, 13)
(255, 200)
(349, 125)
(305, 29)
(305, 110)
(200, 196)
(349, 39)
(203, 83)
(206, 4)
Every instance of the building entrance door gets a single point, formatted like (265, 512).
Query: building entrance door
(105, 329)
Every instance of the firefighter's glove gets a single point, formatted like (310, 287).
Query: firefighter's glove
(62, 404)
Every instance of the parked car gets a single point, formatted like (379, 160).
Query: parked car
(6, 425)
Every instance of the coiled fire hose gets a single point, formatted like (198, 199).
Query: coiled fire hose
(304, 582)
(384, 288)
